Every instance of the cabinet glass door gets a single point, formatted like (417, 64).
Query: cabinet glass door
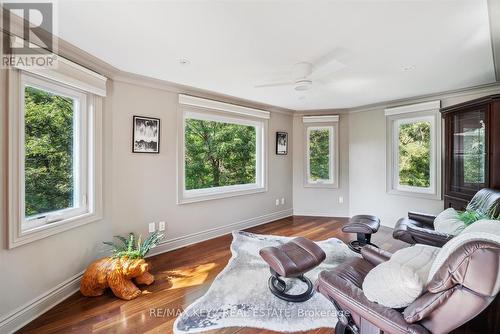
(468, 152)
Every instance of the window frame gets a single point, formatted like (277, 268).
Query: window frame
(424, 112)
(88, 156)
(80, 152)
(196, 195)
(310, 123)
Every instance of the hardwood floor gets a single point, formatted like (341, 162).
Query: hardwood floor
(181, 276)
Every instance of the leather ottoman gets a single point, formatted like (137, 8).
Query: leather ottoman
(364, 226)
(292, 260)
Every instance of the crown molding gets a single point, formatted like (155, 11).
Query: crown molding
(481, 89)
(85, 59)
(145, 81)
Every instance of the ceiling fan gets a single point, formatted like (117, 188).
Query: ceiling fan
(304, 74)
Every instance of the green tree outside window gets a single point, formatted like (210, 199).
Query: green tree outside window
(219, 154)
(319, 154)
(48, 152)
(415, 154)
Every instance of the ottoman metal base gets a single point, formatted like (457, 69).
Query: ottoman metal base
(364, 226)
(362, 240)
(278, 288)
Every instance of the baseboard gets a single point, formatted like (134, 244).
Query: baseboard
(36, 307)
(318, 214)
(169, 245)
(33, 309)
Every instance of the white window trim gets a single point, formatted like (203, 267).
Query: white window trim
(427, 112)
(320, 122)
(91, 109)
(196, 195)
(80, 150)
(200, 102)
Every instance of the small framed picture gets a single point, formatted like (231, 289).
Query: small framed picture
(146, 135)
(281, 143)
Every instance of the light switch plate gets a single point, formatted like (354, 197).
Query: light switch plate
(341, 199)
(152, 227)
(277, 201)
(282, 200)
(161, 226)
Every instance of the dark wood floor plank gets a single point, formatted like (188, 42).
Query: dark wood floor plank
(182, 276)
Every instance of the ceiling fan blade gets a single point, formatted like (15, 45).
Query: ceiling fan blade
(276, 84)
(325, 79)
(330, 61)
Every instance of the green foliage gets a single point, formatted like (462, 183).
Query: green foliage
(319, 154)
(219, 154)
(48, 152)
(132, 247)
(415, 154)
(476, 211)
(471, 216)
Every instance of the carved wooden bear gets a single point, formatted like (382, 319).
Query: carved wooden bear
(117, 274)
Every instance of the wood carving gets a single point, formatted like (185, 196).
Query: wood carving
(117, 274)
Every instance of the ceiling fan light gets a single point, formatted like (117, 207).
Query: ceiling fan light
(302, 85)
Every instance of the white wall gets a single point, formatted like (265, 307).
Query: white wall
(145, 184)
(367, 172)
(320, 201)
(367, 163)
(31, 270)
(138, 189)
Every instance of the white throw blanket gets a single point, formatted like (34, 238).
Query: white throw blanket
(399, 281)
(484, 230)
(448, 222)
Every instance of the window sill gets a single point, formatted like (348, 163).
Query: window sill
(415, 194)
(44, 231)
(321, 185)
(219, 195)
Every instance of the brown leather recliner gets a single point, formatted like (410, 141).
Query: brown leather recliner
(418, 228)
(463, 286)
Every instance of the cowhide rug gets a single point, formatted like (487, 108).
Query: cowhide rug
(240, 297)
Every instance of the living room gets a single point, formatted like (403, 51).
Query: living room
(208, 135)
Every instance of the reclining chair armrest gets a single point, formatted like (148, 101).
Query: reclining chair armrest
(375, 255)
(429, 237)
(350, 296)
(423, 218)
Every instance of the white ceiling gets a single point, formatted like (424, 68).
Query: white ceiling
(234, 45)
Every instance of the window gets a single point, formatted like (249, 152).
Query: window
(54, 153)
(321, 163)
(222, 155)
(320, 151)
(414, 156)
(54, 166)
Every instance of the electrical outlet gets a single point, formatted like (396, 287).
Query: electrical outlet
(277, 201)
(152, 227)
(341, 199)
(161, 226)
(282, 200)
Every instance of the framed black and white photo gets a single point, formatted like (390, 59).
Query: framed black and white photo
(281, 143)
(146, 135)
